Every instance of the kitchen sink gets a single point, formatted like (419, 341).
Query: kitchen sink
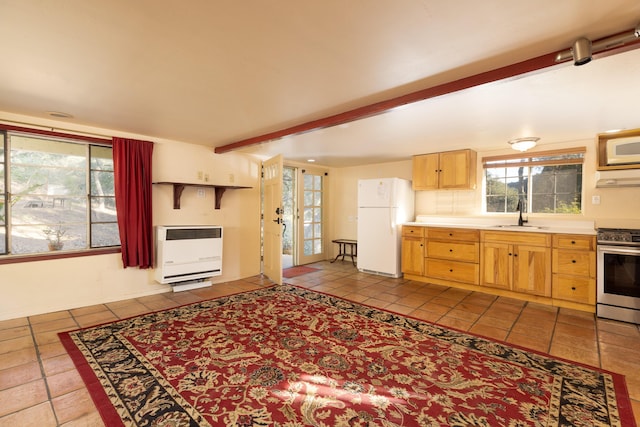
(519, 227)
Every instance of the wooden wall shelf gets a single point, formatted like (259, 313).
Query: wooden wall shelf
(178, 187)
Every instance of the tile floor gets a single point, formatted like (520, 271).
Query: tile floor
(39, 385)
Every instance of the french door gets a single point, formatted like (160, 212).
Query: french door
(312, 215)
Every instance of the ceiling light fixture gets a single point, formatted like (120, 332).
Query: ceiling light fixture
(523, 144)
(582, 48)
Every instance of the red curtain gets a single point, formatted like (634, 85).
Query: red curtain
(132, 174)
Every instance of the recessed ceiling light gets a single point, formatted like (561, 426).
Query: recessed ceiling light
(59, 115)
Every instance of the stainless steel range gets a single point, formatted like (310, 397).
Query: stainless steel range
(618, 282)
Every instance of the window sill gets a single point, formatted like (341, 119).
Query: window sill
(14, 259)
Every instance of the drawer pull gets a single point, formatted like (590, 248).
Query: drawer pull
(573, 261)
(451, 270)
(450, 234)
(573, 242)
(450, 250)
(573, 288)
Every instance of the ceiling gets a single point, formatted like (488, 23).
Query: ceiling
(215, 72)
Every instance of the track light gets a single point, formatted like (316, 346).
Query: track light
(583, 48)
(581, 51)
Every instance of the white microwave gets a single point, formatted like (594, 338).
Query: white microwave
(623, 151)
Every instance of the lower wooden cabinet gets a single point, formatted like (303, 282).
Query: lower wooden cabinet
(452, 255)
(558, 269)
(574, 268)
(516, 261)
(412, 261)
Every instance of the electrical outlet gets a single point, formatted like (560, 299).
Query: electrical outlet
(595, 200)
(199, 175)
(201, 192)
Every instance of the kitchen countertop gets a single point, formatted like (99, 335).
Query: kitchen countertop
(508, 224)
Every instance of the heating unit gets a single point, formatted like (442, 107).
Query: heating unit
(187, 255)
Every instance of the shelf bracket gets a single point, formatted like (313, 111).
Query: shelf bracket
(177, 193)
(219, 192)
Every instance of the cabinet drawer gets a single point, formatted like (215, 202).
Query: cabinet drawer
(574, 241)
(412, 230)
(580, 263)
(457, 251)
(451, 270)
(576, 289)
(458, 234)
(516, 237)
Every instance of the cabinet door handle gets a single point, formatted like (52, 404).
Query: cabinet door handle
(510, 254)
(573, 261)
(515, 254)
(450, 250)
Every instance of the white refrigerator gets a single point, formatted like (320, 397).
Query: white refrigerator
(384, 204)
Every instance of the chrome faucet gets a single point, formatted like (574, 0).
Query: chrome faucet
(519, 208)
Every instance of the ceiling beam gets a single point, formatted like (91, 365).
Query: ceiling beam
(502, 73)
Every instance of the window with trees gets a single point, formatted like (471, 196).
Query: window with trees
(546, 182)
(55, 194)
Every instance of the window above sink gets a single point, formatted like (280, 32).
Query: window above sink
(546, 181)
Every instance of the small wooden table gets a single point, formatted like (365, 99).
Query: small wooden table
(343, 244)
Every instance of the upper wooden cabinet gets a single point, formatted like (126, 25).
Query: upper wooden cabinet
(446, 170)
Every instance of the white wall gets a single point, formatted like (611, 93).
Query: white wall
(619, 207)
(31, 288)
(344, 195)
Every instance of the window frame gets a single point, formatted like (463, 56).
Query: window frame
(86, 139)
(529, 160)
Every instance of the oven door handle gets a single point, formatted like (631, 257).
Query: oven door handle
(619, 250)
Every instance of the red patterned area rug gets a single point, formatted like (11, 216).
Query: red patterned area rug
(297, 271)
(286, 356)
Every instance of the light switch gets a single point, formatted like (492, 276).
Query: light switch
(595, 200)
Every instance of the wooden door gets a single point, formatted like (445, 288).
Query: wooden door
(454, 169)
(425, 172)
(495, 268)
(413, 255)
(531, 270)
(272, 219)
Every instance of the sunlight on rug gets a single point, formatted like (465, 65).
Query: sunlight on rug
(286, 356)
(297, 271)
